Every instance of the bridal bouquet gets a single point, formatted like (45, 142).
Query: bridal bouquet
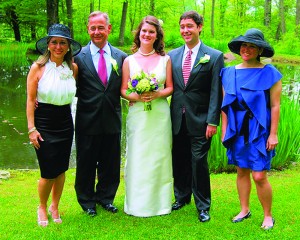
(142, 82)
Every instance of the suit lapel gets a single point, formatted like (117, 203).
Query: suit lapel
(195, 69)
(177, 65)
(87, 59)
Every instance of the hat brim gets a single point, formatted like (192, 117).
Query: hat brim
(235, 45)
(41, 45)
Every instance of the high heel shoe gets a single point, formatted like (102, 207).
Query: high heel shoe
(42, 223)
(56, 220)
(265, 227)
(236, 220)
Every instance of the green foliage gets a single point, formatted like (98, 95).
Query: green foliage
(19, 201)
(288, 149)
(231, 18)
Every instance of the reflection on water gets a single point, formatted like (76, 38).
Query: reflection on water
(15, 150)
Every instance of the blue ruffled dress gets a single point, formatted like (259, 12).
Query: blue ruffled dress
(247, 106)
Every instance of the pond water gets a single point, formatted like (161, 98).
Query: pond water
(15, 150)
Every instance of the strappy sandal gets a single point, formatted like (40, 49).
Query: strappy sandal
(42, 223)
(56, 220)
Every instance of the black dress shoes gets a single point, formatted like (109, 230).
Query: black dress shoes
(91, 212)
(236, 220)
(110, 208)
(204, 216)
(177, 205)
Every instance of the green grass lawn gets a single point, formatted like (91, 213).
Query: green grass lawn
(19, 201)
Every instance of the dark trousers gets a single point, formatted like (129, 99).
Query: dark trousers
(97, 156)
(190, 168)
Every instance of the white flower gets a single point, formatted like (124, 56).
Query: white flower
(114, 65)
(204, 59)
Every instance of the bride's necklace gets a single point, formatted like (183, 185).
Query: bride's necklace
(146, 54)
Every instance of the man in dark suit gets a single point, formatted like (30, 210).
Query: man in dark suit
(195, 111)
(98, 118)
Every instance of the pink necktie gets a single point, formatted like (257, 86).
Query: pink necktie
(186, 69)
(102, 72)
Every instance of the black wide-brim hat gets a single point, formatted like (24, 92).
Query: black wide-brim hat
(254, 36)
(58, 30)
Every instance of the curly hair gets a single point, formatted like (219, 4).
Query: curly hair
(159, 43)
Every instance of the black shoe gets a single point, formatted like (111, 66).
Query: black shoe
(204, 216)
(236, 220)
(91, 212)
(177, 205)
(110, 208)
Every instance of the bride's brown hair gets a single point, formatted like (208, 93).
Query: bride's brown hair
(159, 43)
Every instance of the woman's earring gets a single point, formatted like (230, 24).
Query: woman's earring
(48, 49)
(68, 49)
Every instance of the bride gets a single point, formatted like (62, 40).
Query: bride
(148, 168)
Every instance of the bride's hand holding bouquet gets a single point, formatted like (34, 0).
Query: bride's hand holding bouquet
(146, 85)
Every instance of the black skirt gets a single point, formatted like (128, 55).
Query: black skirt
(55, 124)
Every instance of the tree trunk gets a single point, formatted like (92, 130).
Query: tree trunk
(282, 17)
(91, 5)
(297, 17)
(212, 20)
(123, 23)
(223, 6)
(267, 14)
(152, 7)
(132, 13)
(52, 12)
(14, 22)
(69, 16)
(33, 31)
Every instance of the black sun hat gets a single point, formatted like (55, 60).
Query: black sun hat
(58, 30)
(254, 36)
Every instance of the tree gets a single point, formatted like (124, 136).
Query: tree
(281, 29)
(52, 12)
(69, 15)
(14, 21)
(152, 7)
(212, 22)
(123, 23)
(297, 17)
(267, 13)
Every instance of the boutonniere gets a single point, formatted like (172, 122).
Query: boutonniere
(203, 59)
(114, 65)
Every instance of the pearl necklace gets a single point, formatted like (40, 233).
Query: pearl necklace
(146, 54)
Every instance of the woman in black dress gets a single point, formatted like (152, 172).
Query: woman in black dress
(51, 83)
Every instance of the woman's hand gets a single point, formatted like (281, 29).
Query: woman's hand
(272, 142)
(34, 138)
(149, 96)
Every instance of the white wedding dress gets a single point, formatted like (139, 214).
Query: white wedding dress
(148, 168)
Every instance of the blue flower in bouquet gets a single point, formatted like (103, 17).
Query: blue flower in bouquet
(142, 82)
(134, 82)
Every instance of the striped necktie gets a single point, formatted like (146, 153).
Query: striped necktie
(186, 69)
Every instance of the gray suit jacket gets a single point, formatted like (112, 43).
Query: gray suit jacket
(98, 107)
(202, 95)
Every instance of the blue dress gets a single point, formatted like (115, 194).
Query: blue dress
(247, 106)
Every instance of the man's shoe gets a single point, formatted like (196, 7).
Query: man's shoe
(177, 205)
(110, 208)
(91, 212)
(204, 216)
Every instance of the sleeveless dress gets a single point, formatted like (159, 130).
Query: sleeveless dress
(53, 119)
(247, 106)
(148, 168)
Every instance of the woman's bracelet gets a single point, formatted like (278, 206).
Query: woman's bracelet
(31, 130)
